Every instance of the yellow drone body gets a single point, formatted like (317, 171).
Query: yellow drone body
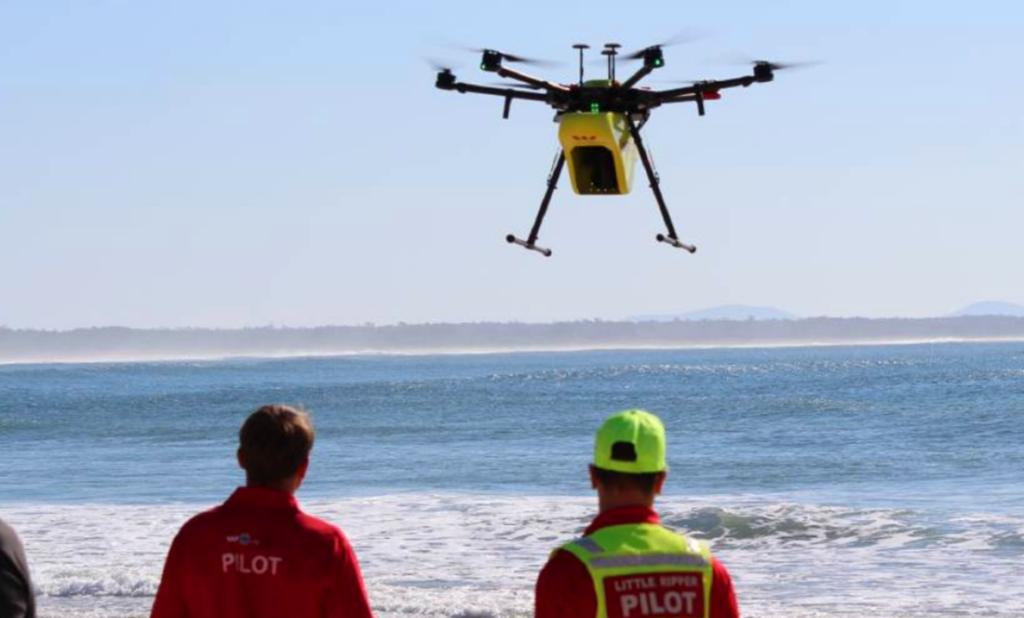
(600, 152)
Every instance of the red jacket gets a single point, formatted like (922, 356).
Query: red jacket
(258, 555)
(566, 590)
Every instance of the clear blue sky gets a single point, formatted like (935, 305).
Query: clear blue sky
(195, 163)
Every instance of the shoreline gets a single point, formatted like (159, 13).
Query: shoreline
(258, 355)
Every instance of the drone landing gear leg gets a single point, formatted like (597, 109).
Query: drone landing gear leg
(671, 238)
(529, 243)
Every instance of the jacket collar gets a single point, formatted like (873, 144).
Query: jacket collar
(264, 497)
(623, 515)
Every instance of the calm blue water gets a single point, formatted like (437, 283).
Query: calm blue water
(915, 445)
(849, 421)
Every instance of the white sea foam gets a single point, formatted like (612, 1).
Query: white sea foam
(283, 354)
(434, 555)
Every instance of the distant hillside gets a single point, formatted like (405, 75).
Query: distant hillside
(723, 312)
(121, 344)
(991, 308)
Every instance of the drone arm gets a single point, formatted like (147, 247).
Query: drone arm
(531, 242)
(671, 238)
(530, 80)
(640, 74)
(698, 98)
(507, 93)
(684, 99)
(705, 88)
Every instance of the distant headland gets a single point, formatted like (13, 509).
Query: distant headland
(124, 344)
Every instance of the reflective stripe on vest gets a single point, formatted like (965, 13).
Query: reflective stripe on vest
(589, 545)
(646, 571)
(607, 562)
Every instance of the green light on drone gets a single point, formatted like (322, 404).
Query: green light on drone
(595, 108)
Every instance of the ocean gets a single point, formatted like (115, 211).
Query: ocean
(832, 481)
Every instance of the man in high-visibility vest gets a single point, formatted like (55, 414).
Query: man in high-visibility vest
(626, 564)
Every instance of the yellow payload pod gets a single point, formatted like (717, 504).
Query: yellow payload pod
(599, 150)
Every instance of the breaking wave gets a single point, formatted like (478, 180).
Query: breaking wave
(476, 556)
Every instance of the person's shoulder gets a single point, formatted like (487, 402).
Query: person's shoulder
(718, 568)
(564, 588)
(321, 528)
(723, 596)
(561, 555)
(6, 532)
(9, 540)
(562, 565)
(201, 522)
(720, 576)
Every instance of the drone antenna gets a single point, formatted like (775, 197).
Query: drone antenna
(581, 47)
(607, 53)
(611, 50)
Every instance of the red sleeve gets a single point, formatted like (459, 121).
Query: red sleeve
(170, 600)
(723, 597)
(565, 589)
(347, 597)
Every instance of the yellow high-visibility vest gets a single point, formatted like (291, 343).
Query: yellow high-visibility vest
(646, 571)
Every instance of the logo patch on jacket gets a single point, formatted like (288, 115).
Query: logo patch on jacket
(655, 595)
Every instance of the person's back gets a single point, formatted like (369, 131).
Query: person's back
(17, 599)
(258, 554)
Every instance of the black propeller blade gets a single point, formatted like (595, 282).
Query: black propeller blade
(680, 38)
(525, 60)
(781, 66)
(439, 65)
(767, 65)
(538, 62)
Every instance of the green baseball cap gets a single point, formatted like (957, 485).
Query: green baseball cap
(632, 442)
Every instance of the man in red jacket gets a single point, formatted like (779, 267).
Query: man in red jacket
(258, 555)
(626, 564)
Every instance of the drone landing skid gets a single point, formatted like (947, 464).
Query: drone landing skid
(531, 242)
(528, 245)
(671, 238)
(675, 242)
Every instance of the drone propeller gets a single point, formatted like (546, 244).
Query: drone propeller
(768, 65)
(680, 38)
(781, 66)
(439, 65)
(538, 62)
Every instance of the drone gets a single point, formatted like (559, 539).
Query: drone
(600, 121)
